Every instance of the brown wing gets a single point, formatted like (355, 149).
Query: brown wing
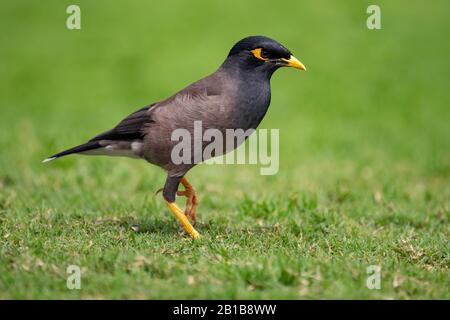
(199, 101)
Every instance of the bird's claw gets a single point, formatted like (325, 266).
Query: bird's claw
(191, 203)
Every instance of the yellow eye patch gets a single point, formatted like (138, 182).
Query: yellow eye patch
(257, 53)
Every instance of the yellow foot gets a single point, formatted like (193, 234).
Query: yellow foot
(179, 214)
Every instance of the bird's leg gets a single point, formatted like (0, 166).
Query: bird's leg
(169, 192)
(183, 219)
(191, 201)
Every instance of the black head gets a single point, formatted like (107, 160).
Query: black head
(262, 53)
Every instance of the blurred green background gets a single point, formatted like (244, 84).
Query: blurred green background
(364, 142)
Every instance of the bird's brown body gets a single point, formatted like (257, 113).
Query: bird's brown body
(213, 106)
(236, 96)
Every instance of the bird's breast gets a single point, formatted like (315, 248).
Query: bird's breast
(252, 102)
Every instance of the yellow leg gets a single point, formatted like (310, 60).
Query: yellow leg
(183, 219)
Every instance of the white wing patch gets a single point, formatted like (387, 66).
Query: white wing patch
(136, 146)
(118, 149)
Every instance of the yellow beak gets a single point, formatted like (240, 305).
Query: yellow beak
(294, 63)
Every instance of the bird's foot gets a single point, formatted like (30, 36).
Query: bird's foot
(191, 201)
(191, 204)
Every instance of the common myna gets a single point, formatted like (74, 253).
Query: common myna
(236, 96)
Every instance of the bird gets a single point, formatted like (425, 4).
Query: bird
(236, 96)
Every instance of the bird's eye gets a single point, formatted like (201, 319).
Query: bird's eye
(265, 54)
(260, 54)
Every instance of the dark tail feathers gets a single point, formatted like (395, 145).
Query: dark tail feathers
(81, 148)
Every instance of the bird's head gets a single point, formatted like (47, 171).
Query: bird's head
(263, 54)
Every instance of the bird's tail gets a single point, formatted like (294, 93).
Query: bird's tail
(91, 145)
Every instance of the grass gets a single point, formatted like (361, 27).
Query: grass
(364, 154)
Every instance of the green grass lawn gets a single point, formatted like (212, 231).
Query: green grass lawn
(364, 153)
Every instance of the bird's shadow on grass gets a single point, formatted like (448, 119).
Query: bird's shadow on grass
(149, 225)
(170, 226)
